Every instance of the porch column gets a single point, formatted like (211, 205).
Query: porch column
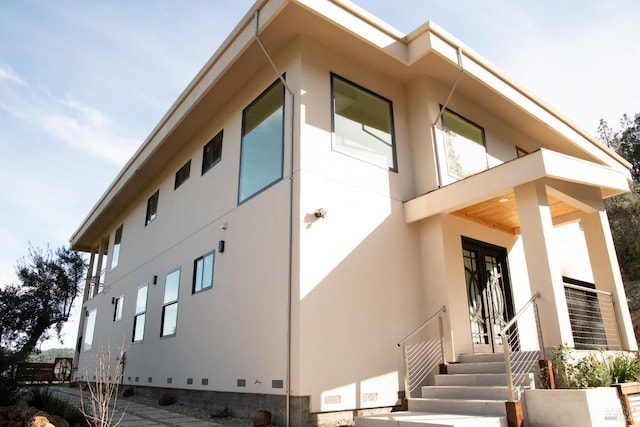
(606, 271)
(545, 274)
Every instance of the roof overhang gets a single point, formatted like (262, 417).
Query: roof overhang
(488, 197)
(348, 30)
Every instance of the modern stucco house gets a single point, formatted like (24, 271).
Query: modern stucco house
(323, 186)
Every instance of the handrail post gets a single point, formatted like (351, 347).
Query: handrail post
(507, 365)
(407, 386)
(538, 327)
(440, 326)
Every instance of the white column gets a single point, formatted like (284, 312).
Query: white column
(545, 274)
(606, 271)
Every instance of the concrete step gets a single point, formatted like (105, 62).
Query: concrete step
(480, 357)
(409, 419)
(477, 368)
(482, 407)
(465, 392)
(474, 380)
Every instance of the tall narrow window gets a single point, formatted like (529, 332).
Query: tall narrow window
(262, 142)
(117, 239)
(152, 208)
(212, 152)
(362, 124)
(140, 313)
(170, 304)
(89, 329)
(183, 174)
(464, 144)
(118, 304)
(203, 272)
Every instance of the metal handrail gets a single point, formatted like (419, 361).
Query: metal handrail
(515, 318)
(423, 325)
(584, 288)
(504, 333)
(438, 314)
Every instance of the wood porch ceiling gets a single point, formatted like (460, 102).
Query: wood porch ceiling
(501, 212)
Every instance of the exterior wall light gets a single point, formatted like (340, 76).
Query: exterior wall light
(320, 213)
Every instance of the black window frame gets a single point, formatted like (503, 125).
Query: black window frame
(152, 208)
(138, 314)
(166, 304)
(212, 152)
(182, 175)
(117, 246)
(259, 98)
(194, 290)
(394, 155)
(118, 308)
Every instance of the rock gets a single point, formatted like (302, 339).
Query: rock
(40, 421)
(220, 413)
(127, 392)
(166, 400)
(262, 419)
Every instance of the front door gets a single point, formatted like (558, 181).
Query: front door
(488, 293)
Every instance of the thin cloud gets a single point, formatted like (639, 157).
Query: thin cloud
(9, 75)
(77, 125)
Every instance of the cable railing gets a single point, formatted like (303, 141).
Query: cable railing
(423, 351)
(593, 319)
(518, 363)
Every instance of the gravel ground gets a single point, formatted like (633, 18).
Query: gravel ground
(181, 408)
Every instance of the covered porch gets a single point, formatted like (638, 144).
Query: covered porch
(517, 205)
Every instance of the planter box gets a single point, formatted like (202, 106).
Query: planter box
(571, 407)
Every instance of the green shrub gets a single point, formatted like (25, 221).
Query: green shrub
(595, 370)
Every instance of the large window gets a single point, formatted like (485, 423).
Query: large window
(212, 153)
(183, 174)
(89, 328)
(140, 313)
(262, 142)
(117, 239)
(152, 208)
(464, 145)
(170, 304)
(362, 124)
(203, 272)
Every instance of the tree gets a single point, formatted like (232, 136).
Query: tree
(624, 210)
(625, 142)
(42, 301)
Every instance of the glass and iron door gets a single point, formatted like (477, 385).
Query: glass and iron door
(488, 293)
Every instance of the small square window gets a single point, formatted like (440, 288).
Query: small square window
(183, 174)
(152, 208)
(212, 153)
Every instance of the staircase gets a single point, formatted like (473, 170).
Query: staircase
(472, 393)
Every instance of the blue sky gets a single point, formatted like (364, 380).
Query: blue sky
(83, 82)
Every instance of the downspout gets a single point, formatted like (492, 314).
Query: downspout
(290, 220)
(439, 118)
